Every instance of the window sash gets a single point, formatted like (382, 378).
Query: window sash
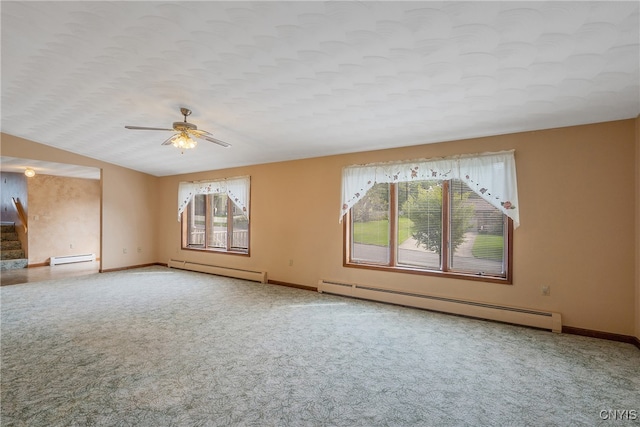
(487, 254)
(403, 259)
(372, 233)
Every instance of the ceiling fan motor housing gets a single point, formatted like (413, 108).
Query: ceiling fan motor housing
(184, 126)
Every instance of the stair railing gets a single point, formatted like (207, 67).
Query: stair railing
(21, 213)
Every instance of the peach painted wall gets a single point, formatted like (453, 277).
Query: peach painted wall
(129, 222)
(577, 202)
(128, 203)
(64, 217)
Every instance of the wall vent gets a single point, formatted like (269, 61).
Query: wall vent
(506, 314)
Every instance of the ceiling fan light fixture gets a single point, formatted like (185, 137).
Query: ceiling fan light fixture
(183, 141)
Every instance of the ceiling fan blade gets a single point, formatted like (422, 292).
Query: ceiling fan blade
(144, 128)
(168, 140)
(199, 132)
(215, 141)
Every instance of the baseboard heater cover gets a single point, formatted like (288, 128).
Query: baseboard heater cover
(256, 276)
(57, 260)
(506, 314)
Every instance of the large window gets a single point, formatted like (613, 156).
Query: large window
(215, 215)
(429, 227)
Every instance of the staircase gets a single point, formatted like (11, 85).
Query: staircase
(11, 255)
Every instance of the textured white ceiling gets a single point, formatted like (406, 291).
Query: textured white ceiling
(286, 80)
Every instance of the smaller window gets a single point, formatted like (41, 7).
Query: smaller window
(212, 222)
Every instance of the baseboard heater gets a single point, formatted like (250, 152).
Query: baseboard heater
(506, 314)
(57, 260)
(256, 276)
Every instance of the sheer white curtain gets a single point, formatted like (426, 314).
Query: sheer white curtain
(491, 175)
(238, 190)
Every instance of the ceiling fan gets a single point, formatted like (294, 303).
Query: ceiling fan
(186, 131)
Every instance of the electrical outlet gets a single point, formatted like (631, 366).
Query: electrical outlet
(290, 263)
(139, 250)
(124, 250)
(70, 245)
(546, 290)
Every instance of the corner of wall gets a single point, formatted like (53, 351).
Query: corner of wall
(129, 201)
(637, 311)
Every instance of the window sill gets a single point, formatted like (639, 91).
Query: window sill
(215, 251)
(433, 273)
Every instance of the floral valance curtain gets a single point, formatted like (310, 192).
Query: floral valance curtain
(237, 189)
(490, 175)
